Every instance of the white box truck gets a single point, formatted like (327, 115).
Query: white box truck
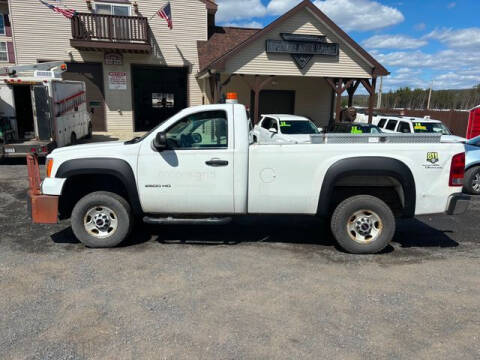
(40, 111)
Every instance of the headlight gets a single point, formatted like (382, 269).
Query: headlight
(49, 167)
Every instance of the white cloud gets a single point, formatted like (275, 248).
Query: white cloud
(360, 15)
(399, 42)
(250, 24)
(446, 68)
(442, 60)
(461, 38)
(420, 26)
(279, 7)
(234, 10)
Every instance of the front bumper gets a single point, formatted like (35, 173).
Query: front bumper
(458, 204)
(43, 208)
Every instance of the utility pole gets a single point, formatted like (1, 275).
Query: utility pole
(429, 96)
(379, 98)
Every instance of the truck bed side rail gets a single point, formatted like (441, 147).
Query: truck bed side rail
(376, 138)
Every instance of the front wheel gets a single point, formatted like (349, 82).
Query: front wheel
(101, 219)
(472, 181)
(363, 224)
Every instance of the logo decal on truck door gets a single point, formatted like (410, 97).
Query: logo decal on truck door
(432, 157)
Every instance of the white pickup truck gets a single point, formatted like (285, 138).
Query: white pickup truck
(204, 166)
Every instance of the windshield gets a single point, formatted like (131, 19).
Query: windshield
(426, 127)
(297, 127)
(137, 139)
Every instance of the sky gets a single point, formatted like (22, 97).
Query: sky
(419, 41)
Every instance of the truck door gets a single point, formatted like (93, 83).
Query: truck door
(195, 174)
(42, 112)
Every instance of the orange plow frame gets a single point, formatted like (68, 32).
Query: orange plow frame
(44, 208)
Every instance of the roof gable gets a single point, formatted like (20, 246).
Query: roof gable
(219, 63)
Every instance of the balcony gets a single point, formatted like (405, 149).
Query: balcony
(96, 32)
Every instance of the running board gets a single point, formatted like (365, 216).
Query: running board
(186, 221)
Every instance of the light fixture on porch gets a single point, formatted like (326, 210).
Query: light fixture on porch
(135, 7)
(89, 4)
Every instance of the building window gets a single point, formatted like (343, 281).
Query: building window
(3, 51)
(112, 9)
(2, 24)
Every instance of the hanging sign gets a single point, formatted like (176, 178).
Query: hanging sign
(117, 80)
(302, 47)
(113, 59)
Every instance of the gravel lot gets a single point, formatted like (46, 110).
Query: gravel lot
(261, 288)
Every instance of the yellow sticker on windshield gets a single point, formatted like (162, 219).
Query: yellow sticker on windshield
(419, 126)
(356, 130)
(284, 124)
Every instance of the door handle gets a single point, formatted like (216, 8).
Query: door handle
(216, 162)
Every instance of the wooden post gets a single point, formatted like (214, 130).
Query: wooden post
(351, 91)
(339, 88)
(371, 90)
(371, 100)
(256, 88)
(338, 105)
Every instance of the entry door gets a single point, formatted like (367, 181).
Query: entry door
(277, 102)
(92, 75)
(42, 112)
(159, 93)
(195, 175)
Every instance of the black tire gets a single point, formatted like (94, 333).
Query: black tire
(472, 176)
(73, 138)
(380, 221)
(115, 207)
(90, 131)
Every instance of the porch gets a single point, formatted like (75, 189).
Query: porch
(318, 98)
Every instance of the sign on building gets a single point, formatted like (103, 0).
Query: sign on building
(117, 80)
(302, 48)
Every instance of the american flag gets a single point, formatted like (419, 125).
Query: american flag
(68, 13)
(166, 14)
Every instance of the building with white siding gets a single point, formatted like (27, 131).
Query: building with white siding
(139, 72)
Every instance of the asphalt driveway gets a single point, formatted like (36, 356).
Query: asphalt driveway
(261, 288)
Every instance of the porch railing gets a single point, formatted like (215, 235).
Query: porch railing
(96, 27)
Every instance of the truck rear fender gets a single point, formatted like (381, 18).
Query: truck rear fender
(366, 168)
(118, 169)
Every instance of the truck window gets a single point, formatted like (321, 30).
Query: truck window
(404, 127)
(381, 123)
(203, 130)
(269, 123)
(391, 125)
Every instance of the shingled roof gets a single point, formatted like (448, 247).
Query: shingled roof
(222, 41)
(227, 42)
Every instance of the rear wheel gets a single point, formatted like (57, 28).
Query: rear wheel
(363, 224)
(472, 181)
(101, 219)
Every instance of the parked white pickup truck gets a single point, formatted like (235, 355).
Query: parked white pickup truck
(204, 166)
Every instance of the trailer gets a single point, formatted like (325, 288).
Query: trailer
(39, 111)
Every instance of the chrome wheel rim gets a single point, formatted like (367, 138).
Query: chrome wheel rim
(364, 226)
(100, 222)
(476, 183)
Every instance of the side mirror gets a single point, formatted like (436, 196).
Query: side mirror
(160, 141)
(273, 130)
